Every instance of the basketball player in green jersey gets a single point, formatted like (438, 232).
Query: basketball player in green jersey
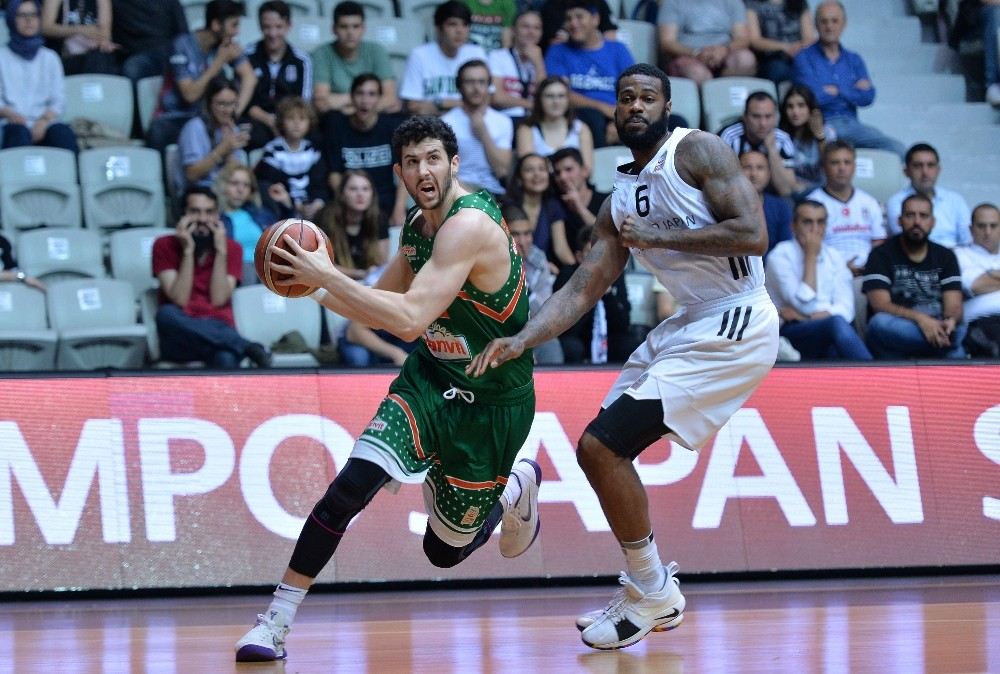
(456, 283)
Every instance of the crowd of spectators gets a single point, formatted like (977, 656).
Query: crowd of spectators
(528, 88)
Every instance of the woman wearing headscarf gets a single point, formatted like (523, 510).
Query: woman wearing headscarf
(32, 96)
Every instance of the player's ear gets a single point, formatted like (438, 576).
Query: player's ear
(398, 170)
(454, 165)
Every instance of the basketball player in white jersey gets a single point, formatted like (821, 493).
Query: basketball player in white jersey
(687, 213)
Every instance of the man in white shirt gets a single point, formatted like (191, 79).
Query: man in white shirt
(484, 135)
(429, 80)
(854, 217)
(980, 265)
(951, 213)
(811, 286)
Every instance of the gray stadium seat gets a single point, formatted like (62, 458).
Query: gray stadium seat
(640, 38)
(194, 11)
(723, 99)
(422, 11)
(132, 256)
(147, 94)
(55, 254)
(307, 33)
(96, 322)
(122, 187)
(639, 286)
(606, 161)
(26, 341)
(106, 99)
(261, 316)
(335, 324)
(38, 188)
(878, 172)
(396, 35)
(685, 100)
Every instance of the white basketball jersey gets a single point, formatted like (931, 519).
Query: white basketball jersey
(660, 197)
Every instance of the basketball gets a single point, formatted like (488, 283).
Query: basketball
(305, 233)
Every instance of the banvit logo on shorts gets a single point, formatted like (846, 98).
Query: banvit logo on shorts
(443, 345)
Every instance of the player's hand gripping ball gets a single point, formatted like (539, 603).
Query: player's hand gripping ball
(305, 233)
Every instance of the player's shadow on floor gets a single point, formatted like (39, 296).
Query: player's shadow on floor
(622, 662)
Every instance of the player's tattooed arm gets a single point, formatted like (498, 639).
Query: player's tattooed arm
(705, 162)
(602, 266)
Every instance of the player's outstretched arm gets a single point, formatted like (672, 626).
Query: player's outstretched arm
(705, 162)
(602, 266)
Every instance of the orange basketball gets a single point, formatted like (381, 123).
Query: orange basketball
(305, 233)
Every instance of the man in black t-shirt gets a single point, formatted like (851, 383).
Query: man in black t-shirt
(580, 200)
(363, 140)
(914, 290)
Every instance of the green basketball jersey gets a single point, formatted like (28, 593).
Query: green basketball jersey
(474, 317)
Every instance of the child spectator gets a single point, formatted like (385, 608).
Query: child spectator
(242, 214)
(292, 172)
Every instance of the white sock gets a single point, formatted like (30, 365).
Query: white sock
(511, 492)
(644, 565)
(286, 602)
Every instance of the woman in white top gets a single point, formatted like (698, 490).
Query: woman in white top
(552, 124)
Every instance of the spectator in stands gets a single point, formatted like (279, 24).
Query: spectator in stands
(602, 334)
(145, 32)
(813, 291)
(8, 267)
(839, 79)
(337, 63)
(914, 290)
(531, 190)
(665, 304)
(197, 268)
(758, 131)
(363, 141)
(82, 34)
(291, 171)
(282, 70)
(980, 265)
(32, 98)
(356, 227)
(429, 86)
(485, 136)
(518, 70)
(491, 23)
(554, 22)
(777, 211)
(778, 31)
(361, 346)
(538, 276)
(197, 59)
(592, 64)
(854, 224)
(212, 139)
(802, 120)
(951, 213)
(702, 39)
(990, 18)
(242, 214)
(580, 200)
(553, 125)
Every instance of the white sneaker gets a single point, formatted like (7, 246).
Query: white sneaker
(786, 352)
(587, 619)
(520, 524)
(993, 95)
(635, 615)
(264, 642)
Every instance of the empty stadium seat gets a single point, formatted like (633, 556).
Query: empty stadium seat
(606, 161)
(38, 188)
(96, 323)
(723, 99)
(639, 285)
(26, 341)
(685, 100)
(106, 99)
(122, 187)
(132, 256)
(54, 254)
(194, 11)
(261, 316)
(147, 94)
(396, 35)
(640, 38)
(309, 33)
(878, 172)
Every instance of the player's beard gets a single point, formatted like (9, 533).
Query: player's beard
(444, 189)
(644, 139)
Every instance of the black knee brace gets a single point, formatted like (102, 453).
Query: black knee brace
(353, 488)
(445, 556)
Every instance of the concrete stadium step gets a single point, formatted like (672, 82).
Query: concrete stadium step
(977, 193)
(920, 89)
(881, 30)
(951, 115)
(915, 59)
(981, 169)
(865, 10)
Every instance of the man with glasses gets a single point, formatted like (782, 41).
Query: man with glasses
(485, 135)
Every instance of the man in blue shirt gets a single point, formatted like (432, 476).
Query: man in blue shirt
(592, 65)
(839, 79)
(777, 211)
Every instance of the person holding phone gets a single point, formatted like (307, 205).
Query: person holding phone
(213, 139)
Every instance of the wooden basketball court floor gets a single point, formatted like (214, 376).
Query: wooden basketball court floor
(897, 626)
